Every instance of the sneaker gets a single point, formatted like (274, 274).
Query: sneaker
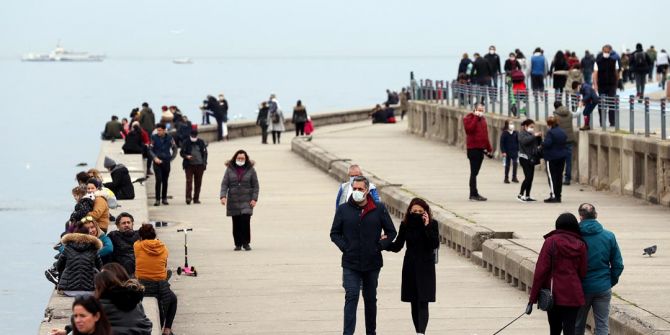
(188, 201)
(552, 200)
(157, 203)
(196, 201)
(237, 248)
(246, 247)
(530, 199)
(514, 180)
(521, 198)
(477, 198)
(506, 181)
(52, 275)
(164, 202)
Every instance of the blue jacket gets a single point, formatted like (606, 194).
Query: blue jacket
(163, 147)
(605, 262)
(538, 65)
(346, 187)
(107, 246)
(509, 143)
(589, 95)
(554, 145)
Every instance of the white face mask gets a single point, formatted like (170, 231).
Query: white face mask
(492, 51)
(531, 129)
(511, 127)
(193, 139)
(240, 163)
(606, 54)
(512, 58)
(477, 113)
(358, 196)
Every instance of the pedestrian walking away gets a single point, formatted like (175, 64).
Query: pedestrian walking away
(194, 153)
(560, 267)
(299, 118)
(538, 70)
(662, 62)
(605, 266)
(554, 151)
(529, 143)
(275, 119)
(420, 232)
(357, 232)
(239, 193)
(509, 149)
(163, 151)
(262, 121)
(641, 65)
(478, 145)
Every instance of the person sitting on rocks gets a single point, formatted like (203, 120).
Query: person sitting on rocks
(121, 184)
(84, 206)
(79, 262)
(122, 303)
(113, 129)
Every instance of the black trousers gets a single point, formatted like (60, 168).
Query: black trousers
(219, 129)
(299, 128)
(476, 157)
(264, 133)
(528, 173)
(562, 318)
(609, 91)
(420, 316)
(276, 136)
(162, 172)
(510, 161)
(554, 176)
(242, 229)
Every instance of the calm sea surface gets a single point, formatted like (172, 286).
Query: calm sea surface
(52, 114)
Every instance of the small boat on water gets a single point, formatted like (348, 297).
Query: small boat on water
(182, 61)
(61, 55)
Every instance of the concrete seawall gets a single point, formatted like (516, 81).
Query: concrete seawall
(507, 258)
(621, 163)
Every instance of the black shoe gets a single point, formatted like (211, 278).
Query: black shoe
(552, 200)
(514, 180)
(477, 198)
(164, 202)
(157, 203)
(197, 201)
(52, 275)
(521, 198)
(246, 247)
(506, 181)
(566, 182)
(188, 201)
(529, 199)
(237, 248)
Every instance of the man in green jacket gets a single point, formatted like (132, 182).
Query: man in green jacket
(605, 267)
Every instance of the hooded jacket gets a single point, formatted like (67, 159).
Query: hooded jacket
(565, 122)
(100, 212)
(562, 259)
(476, 131)
(121, 184)
(150, 260)
(124, 310)
(554, 144)
(356, 231)
(79, 262)
(604, 256)
(124, 253)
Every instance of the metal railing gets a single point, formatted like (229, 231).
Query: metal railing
(516, 103)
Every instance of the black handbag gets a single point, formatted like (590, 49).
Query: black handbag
(545, 301)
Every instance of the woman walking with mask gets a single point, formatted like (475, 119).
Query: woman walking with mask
(420, 232)
(529, 142)
(239, 193)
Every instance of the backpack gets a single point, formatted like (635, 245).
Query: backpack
(517, 76)
(640, 60)
(274, 116)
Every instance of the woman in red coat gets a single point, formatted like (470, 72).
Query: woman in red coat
(561, 266)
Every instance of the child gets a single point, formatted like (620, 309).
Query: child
(509, 148)
(84, 206)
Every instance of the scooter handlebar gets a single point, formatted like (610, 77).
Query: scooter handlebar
(187, 229)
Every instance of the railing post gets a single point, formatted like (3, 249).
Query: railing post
(527, 101)
(617, 120)
(446, 93)
(646, 117)
(631, 112)
(664, 135)
(502, 92)
(604, 113)
(493, 103)
(536, 101)
(577, 99)
(546, 106)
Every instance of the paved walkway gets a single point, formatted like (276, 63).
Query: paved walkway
(291, 281)
(440, 173)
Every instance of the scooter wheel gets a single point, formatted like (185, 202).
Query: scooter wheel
(179, 271)
(192, 269)
(195, 273)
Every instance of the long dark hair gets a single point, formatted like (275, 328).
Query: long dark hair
(117, 270)
(247, 161)
(104, 281)
(420, 202)
(92, 305)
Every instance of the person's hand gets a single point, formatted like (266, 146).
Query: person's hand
(426, 219)
(538, 134)
(56, 331)
(157, 161)
(504, 154)
(529, 308)
(189, 157)
(252, 203)
(223, 201)
(384, 236)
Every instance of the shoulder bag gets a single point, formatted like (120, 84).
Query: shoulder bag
(545, 300)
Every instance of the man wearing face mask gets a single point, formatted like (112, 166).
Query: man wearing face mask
(606, 78)
(494, 60)
(478, 145)
(345, 191)
(194, 153)
(357, 232)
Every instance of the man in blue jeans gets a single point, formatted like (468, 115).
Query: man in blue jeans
(357, 232)
(605, 267)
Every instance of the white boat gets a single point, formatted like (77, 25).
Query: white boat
(61, 55)
(182, 61)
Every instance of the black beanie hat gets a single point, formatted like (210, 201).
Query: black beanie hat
(567, 221)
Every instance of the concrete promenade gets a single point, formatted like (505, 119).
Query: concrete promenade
(440, 173)
(291, 281)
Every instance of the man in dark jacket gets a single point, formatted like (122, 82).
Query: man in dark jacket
(163, 151)
(357, 232)
(604, 269)
(212, 107)
(147, 118)
(478, 145)
(606, 79)
(564, 117)
(587, 66)
(113, 129)
(494, 61)
(223, 115)
(121, 184)
(640, 64)
(123, 239)
(554, 151)
(194, 153)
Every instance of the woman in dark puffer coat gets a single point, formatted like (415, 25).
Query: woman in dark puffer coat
(79, 261)
(121, 302)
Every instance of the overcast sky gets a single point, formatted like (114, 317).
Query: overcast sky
(287, 28)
